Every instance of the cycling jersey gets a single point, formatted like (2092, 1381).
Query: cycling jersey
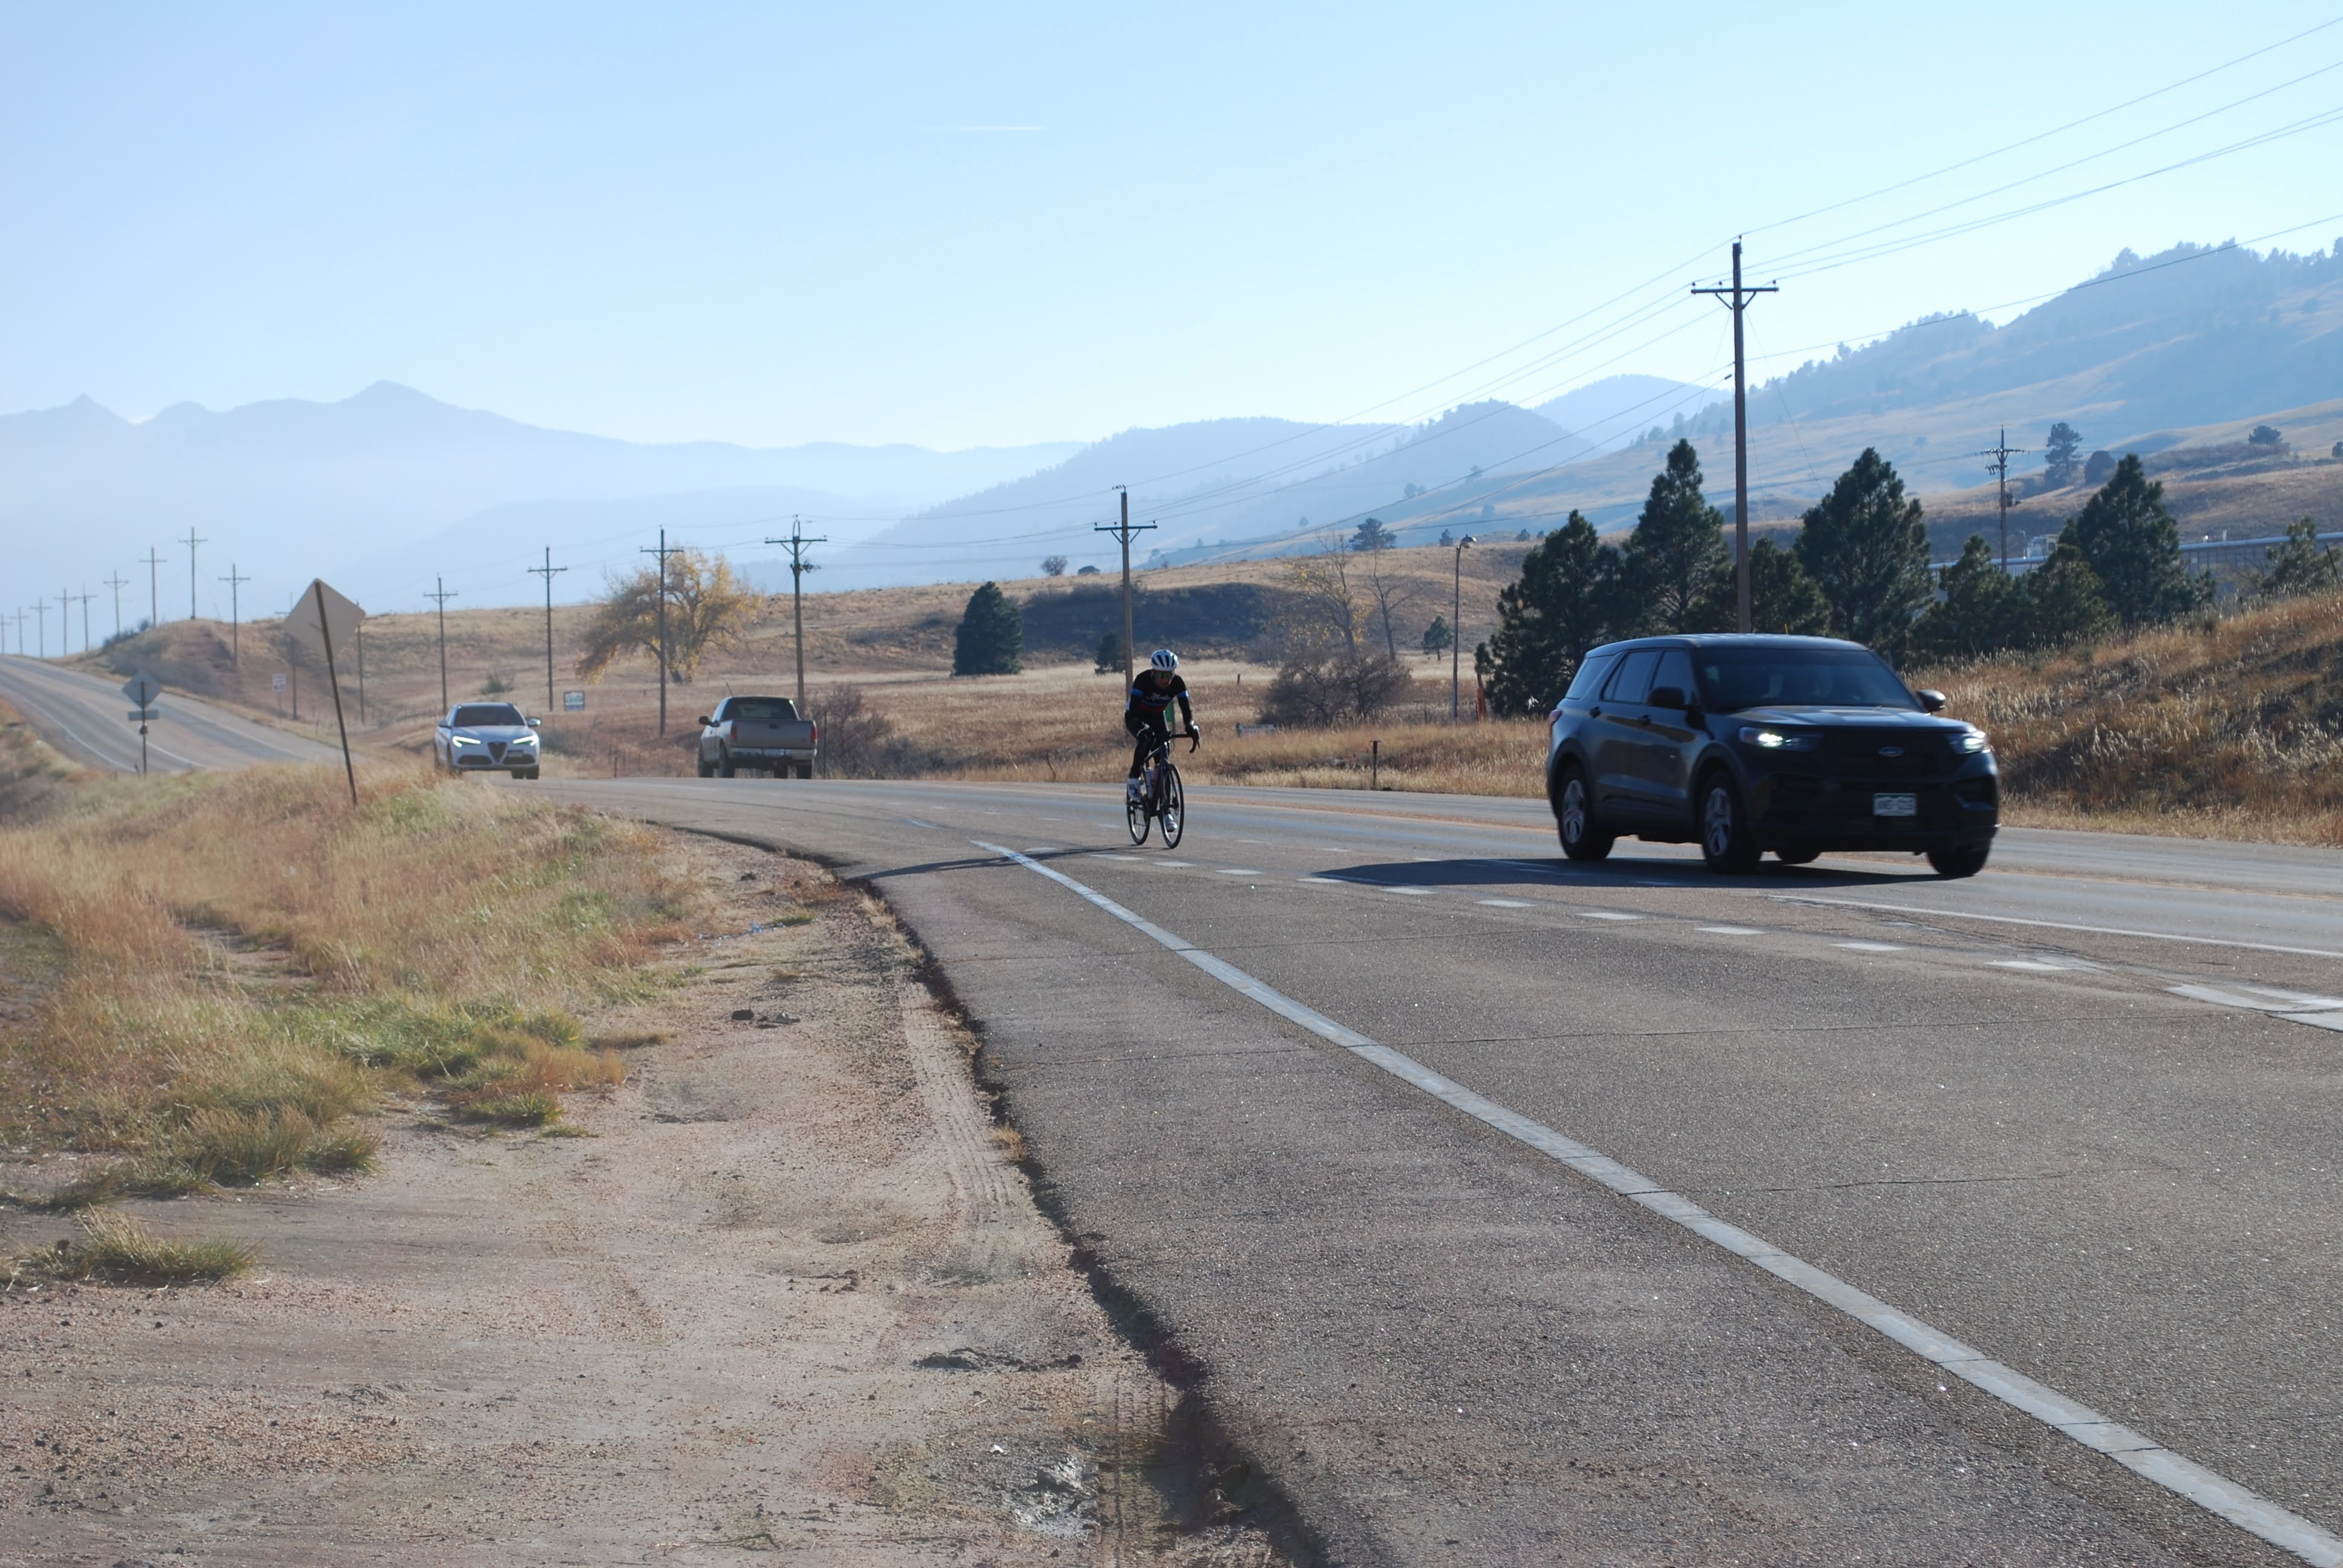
(1152, 694)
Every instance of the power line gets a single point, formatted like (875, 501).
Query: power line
(548, 571)
(2001, 454)
(1738, 299)
(154, 593)
(235, 619)
(662, 552)
(797, 542)
(440, 598)
(192, 543)
(1125, 531)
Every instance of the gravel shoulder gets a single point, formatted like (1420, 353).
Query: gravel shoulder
(789, 1292)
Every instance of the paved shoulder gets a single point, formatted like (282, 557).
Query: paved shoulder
(83, 715)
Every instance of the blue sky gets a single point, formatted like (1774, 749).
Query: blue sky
(953, 227)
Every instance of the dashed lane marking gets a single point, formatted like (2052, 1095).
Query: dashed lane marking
(1869, 947)
(1732, 931)
(1506, 903)
(2056, 925)
(1605, 915)
(2135, 1451)
(1240, 871)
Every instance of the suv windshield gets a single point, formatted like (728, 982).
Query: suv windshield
(762, 710)
(1739, 678)
(486, 713)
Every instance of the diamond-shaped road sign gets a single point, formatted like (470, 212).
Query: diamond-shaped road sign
(341, 618)
(142, 689)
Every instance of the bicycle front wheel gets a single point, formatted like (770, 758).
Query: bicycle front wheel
(1174, 809)
(1135, 811)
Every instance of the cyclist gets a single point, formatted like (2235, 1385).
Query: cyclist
(1148, 715)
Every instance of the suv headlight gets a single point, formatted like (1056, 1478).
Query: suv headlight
(1970, 742)
(465, 740)
(1775, 740)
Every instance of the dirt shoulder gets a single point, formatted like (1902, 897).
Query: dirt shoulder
(790, 1293)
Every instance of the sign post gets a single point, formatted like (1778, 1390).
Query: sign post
(573, 702)
(320, 618)
(142, 689)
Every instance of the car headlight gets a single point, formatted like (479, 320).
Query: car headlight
(522, 741)
(1775, 740)
(463, 740)
(1970, 742)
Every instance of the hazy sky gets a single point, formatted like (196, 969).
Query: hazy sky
(958, 226)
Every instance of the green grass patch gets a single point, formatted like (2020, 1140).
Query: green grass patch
(117, 1250)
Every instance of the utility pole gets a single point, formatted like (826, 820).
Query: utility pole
(234, 644)
(662, 552)
(117, 582)
(1456, 633)
(41, 620)
(64, 626)
(441, 599)
(1739, 301)
(83, 599)
(1123, 531)
(798, 541)
(548, 571)
(154, 598)
(192, 543)
(1999, 468)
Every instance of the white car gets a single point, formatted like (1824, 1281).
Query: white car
(479, 737)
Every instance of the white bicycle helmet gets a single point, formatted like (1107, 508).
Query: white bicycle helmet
(1164, 660)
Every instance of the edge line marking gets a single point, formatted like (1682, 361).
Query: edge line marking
(2142, 1455)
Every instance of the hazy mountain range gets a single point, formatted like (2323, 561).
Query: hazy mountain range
(386, 491)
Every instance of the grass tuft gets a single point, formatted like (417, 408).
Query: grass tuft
(117, 1250)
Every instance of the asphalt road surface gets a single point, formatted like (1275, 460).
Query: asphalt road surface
(84, 717)
(1515, 1211)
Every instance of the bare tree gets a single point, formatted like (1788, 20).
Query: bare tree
(1328, 673)
(1053, 565)
(1390, 594)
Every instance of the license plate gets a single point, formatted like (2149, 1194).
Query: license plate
(1895, 805)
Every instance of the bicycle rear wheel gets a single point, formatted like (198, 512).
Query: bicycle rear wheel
(1135, 811)
(1174, 809)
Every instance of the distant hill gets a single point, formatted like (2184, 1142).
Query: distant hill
(292, 488)
(1225, 489)
(1613, 412)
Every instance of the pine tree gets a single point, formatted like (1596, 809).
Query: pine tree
(991, 636)
(1973, 618)
(1567, 600)
(2061, 454)
(1437, 637)
(2130, 542)
(2300, 565)
(2059, 602)
(1866, 549)
(1677, 547)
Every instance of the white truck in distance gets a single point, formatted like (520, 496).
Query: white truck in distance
(761, 734)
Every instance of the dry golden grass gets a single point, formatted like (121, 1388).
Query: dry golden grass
(243, 961)
(2232, 728)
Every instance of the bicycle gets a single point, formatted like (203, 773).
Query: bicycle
(1161, 798)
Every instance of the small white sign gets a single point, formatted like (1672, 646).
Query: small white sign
(276, 681)
(573, 701)
(142, 715)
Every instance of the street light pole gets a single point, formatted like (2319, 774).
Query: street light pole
(1456, 635)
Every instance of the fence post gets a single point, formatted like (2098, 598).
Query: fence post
(1375, 764)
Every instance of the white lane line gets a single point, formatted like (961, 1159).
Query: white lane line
(1411, 892)
(2246, 1508)
(1043, 850)
(1605, 915)
(1506, 903)
(1732, 931)
(2316, 1019)
(923, 822)
(1242, 871)
(2258, 998)
(1182, 865)
(2057, 926)
(1869, 947)
(1327, 881)
(2043, 966)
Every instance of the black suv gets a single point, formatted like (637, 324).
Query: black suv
(1746, 744)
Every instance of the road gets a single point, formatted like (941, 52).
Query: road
(83, 715)
(1511, 1211)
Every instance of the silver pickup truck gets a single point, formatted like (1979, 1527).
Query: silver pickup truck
(761, 734)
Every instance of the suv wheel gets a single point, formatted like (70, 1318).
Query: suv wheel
(1725, 841)
(1574, 818)
(724, 768)
(1961, 863)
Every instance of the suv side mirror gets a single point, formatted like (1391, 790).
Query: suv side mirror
(1930, 699)
(1666, 697)
(530, 722)
(705, 721)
